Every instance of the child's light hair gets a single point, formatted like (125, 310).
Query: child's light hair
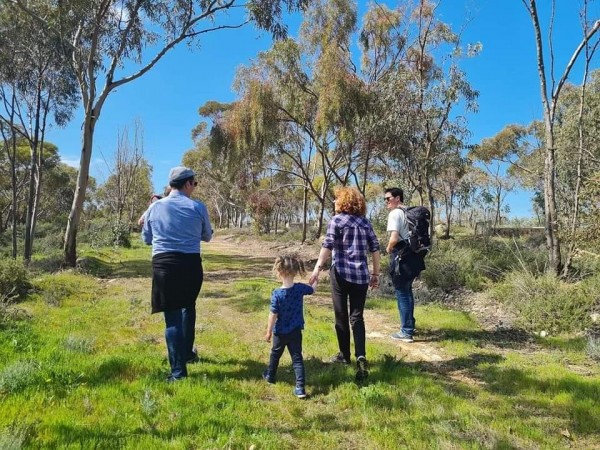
(290, 265)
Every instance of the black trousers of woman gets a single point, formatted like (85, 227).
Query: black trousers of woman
(348, 306)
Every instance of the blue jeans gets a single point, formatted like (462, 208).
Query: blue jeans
(179, 333)
(406, 305)
(293, 341)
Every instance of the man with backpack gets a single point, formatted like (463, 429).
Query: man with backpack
(407, 246)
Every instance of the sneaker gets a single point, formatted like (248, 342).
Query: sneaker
(267, 378)
(194, 358)
(399, 336)
(339, 359)
(300, 392)
(362, 367)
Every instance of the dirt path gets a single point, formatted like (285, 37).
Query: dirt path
(379, 326)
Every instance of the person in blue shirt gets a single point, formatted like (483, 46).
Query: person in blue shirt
(286, 319)
(175, 225)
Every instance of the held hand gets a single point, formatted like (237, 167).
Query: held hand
(314, 277)
(374, 281)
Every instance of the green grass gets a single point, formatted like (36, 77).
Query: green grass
(87, 370)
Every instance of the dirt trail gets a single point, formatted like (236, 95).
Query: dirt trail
(379, 327)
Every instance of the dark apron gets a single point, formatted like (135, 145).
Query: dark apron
(176, 280)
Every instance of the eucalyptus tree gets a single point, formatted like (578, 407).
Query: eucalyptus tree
(309, 103)
(577, 158)
(551, 87)
(110, 43)
(227, 172)
(37, 90)
(448, 185)
(422, 96)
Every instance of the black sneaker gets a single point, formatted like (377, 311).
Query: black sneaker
(267, 378)
(339, 359)
(194, 358)
(362, 367)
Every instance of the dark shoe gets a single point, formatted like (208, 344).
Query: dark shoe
(300, 392)
(339, 359)
(267, 378)
(362, 367)
(194, 358)
(399, 336)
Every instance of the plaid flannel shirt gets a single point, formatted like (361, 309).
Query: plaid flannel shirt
(349, 237)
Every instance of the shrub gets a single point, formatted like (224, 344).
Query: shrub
(13, 438)
(545, 302)
(79, 344)
(18, 376)
(475, 263)
(54, 289)
(106, 233)
(48, 238)
(14, 280)
(593, 347)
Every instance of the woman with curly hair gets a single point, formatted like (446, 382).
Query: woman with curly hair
(349, 238)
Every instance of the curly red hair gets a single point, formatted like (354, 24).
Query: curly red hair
(350, 201)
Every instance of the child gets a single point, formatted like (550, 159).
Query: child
(286, 319)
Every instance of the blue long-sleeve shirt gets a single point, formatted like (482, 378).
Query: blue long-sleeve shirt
(176, 224)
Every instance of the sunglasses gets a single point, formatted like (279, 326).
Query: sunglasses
(387, 199)
(195, 183)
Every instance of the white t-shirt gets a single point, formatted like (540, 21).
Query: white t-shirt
(397, 222)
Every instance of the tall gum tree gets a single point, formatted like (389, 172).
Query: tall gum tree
(33, 73)
(424, 98)
(103, 38)
(550, 89)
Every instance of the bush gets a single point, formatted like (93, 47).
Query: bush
(545, 302)
(475, 263)
(18, 376)
(54, 289)
(14, 280)
(106, 233)
(48, 238)
(593, 348)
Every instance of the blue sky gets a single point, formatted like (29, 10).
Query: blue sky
(166, 99)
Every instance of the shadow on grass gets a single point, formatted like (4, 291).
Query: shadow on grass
(135, 268)
(511, 338)
(247, 263)
(563, 396)
(216, 267)
(116, 368)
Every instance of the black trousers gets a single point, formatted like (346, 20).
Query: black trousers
(348, 306)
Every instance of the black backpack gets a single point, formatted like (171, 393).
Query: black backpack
(417, 219)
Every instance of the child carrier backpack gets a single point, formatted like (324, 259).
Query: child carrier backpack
(417, 219)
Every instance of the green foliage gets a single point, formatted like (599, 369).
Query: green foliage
(14, 280)
(100, 233)
(545, 303)
(475, 263)
(56, 288)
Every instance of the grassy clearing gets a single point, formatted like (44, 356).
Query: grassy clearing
(87, 371)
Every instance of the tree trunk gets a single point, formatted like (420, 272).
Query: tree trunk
(304, 213)
(552, 240)
(70, 246)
